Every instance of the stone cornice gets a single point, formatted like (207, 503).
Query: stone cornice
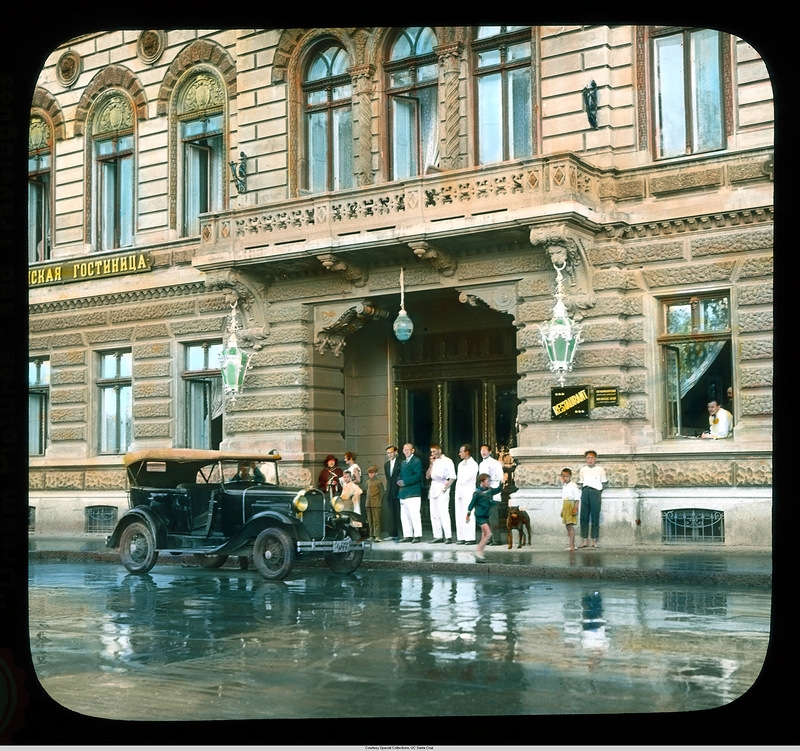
(686, 224)
(118, 298)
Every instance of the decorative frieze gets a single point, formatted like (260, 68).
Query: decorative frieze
(109, 335)
(688, 474)
(733, 242)
(648, 473)
(689, 274)
(687, 179)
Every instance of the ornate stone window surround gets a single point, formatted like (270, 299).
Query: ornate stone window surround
(199, 94)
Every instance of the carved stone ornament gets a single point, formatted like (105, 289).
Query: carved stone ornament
(150, 45)
(204, 92)
(355, 274)
(38, 134)
(336, 321)
(501, 297)
(566, 252)
(441, 261)
(115, 114)
(250, 295)
(68, 67)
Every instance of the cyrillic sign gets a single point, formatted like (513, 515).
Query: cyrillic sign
(78, 271)
(606, 396)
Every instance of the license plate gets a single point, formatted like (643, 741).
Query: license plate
(355, 524)
(341, 546)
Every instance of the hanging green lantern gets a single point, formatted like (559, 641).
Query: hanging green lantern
(233, 361)
(560, 335)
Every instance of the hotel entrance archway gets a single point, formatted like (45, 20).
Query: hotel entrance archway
(457, 385)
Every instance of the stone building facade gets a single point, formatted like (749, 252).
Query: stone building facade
(296, 178)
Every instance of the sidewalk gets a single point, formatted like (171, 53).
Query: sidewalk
(732, 565)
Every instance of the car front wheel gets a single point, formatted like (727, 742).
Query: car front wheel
(273, 554)
(137, 548)
(345, 563)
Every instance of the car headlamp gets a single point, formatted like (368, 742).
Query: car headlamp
(300, 501)
(337, 504)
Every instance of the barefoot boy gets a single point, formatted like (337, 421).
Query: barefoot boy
(569, 508)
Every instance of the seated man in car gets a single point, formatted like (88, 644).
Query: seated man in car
(248, 472)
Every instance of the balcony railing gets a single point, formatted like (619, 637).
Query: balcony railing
(430, 206)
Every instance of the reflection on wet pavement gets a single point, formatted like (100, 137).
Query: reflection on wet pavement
(188, 643)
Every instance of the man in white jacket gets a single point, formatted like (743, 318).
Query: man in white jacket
(442, 474)
(466, 479)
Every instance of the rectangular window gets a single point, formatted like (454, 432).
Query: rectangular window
(115, 390)
(330, 140)
(203, 395)
(504, 95)
(404, 136)
(414, 121)
(38, 400)
(697, 360)
(202, 170)
(115, 192)
(39, 208)
(687, 71)
(31, 518)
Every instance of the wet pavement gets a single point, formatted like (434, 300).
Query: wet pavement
(735, 565)
(418, 631)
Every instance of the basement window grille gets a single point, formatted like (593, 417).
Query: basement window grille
(31, 518)
(692, 525)
(101, 518)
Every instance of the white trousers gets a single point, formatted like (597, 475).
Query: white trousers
(465, 530)
(440, 511)
(410, 516)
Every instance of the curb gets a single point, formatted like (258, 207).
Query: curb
(679, 575)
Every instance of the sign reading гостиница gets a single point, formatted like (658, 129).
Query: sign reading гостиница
(78, 271)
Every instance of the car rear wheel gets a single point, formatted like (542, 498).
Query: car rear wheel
(137, 548)
(209, 561)
(273, 554)
(345, 563)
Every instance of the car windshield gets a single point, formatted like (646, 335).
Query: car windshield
(245, 472)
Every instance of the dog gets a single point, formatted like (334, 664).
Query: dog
(518, 519)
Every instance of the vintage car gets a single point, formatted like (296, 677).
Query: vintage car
(213, 504)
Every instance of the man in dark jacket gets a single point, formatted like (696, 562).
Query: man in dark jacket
(410, 484)
(391, 502)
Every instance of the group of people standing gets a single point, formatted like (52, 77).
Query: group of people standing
(407, 475)
(397, 506)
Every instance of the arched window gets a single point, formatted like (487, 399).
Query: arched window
(327, 90)
(40, 167)
(413, 73)
(113, 159)
(201, 120)
(503, 77)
